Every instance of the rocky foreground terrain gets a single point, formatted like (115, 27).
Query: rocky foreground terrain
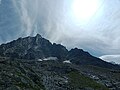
(34, 63)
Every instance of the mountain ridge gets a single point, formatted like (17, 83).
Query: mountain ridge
(38, 48)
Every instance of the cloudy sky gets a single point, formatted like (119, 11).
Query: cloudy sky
(93, 25)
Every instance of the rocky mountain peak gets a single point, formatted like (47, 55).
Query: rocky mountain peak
(38, 36)
(32, 48)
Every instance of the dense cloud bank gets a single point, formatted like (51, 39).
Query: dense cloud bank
(54, 21)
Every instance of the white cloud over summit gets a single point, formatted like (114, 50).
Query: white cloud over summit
(111, 58)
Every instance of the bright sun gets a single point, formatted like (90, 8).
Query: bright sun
(84, 9)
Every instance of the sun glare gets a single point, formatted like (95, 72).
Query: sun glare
(84, 9)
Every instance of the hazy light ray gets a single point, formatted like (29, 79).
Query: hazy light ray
(0, 1)
(27, 15)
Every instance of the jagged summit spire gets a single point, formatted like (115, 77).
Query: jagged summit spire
(38, 36)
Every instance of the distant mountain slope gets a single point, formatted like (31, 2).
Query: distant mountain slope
(80, 57)
(40, 48)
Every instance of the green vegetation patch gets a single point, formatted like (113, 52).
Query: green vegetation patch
(80, 81)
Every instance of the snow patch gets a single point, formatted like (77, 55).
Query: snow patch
(40, 60)
(66, 61)
(48, 58)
